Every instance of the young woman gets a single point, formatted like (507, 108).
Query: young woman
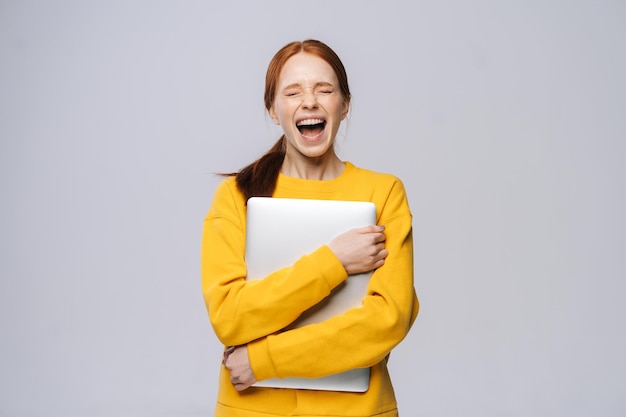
(307, 94)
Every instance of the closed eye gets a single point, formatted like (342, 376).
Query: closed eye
(291, 90)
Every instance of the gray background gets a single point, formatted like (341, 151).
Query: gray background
(504, 119)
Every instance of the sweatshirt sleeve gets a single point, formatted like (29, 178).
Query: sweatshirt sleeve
(242, 311)
(385, 317)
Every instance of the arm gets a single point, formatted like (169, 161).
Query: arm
(388, 312)
(240, 310)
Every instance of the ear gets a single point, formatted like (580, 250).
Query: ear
(345, 109)
(272, 113)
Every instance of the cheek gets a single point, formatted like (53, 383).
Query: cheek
(277, 114)
(337, 108)
(282, 113)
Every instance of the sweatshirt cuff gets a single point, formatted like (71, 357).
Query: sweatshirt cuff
(260, 360)
(330, 267)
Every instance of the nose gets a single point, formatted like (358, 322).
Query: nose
(309, 100)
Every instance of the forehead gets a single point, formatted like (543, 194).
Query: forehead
(306, 69)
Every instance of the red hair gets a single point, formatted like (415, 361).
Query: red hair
(259, 178)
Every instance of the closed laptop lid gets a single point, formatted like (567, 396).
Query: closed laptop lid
(278, 232)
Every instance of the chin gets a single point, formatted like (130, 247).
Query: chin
(316, 150)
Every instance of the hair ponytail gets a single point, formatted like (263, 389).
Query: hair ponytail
(259, 178)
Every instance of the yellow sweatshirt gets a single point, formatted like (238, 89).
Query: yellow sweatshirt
(254, 312)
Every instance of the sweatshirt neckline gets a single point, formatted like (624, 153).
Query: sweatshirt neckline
(300, 184)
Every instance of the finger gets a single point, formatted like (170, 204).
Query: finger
(240, 386)
(375, 249)
(380, 246)
(378, 237)
(380, 260)
(372, 228)
(227, 353)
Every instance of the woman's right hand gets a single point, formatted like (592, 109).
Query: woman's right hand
(361, 249)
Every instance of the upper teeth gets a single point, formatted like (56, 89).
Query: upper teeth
(309, 122)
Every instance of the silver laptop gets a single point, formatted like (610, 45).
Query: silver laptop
(278, 232)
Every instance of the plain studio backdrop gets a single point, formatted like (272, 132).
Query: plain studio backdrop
(506, 121)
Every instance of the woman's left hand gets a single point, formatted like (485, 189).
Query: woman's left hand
(238, 363)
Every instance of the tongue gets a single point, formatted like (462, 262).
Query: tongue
(311, 130)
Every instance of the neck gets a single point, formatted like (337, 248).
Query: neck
(325, 167)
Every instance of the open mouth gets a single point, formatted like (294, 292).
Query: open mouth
(310, 128)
